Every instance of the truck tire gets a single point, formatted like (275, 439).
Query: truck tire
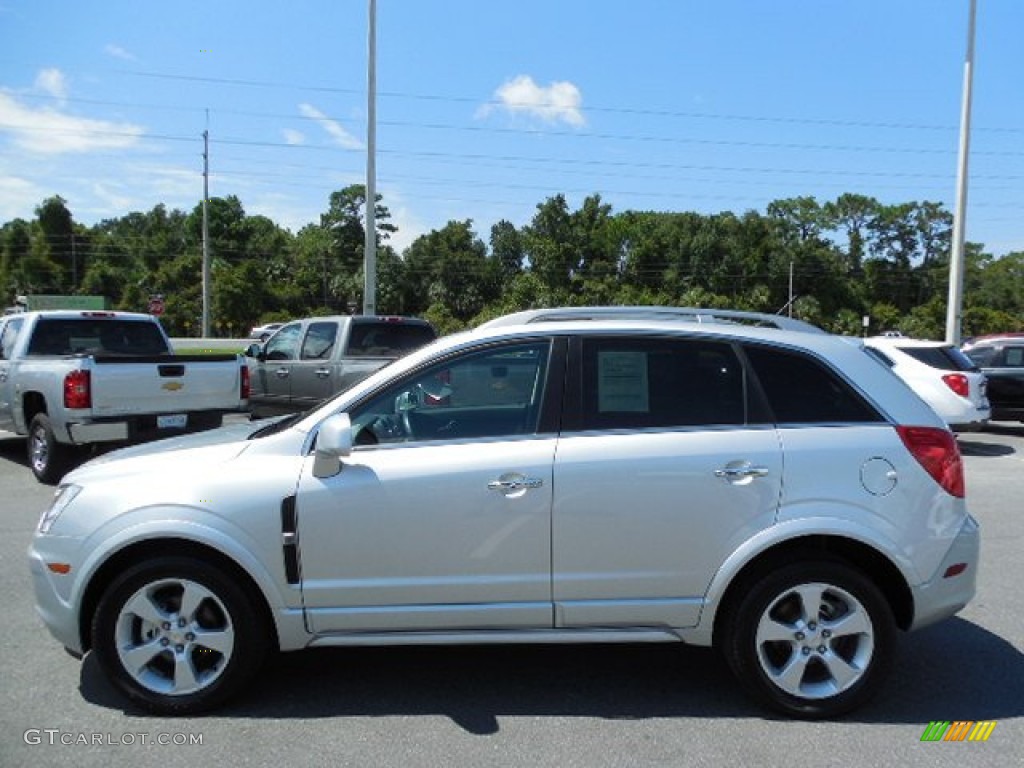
(48, 458)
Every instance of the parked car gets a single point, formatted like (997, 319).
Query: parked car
(265, 331)
(941, 375)
(71, 379)
(1001, 359)
(307, 361)
(778, 494)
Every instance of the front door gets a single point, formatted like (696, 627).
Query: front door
(272, 382)
(440, 519)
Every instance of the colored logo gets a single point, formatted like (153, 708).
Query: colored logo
(958, 730)
(173, 386)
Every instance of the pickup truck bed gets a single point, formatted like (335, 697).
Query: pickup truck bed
(70, 379)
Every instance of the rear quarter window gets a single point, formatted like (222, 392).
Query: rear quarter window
(803, 390)
(387, 339)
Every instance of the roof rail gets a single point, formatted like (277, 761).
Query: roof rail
(685, 314)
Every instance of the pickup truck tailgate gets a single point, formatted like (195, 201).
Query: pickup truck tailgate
(165, 385)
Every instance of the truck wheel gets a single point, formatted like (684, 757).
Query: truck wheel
(178, 635)
(48, 458)
(812, 640)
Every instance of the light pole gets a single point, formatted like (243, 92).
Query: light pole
(954, 310)
(370, 244)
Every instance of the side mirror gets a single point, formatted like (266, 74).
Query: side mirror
(333, 442)
(254, 350)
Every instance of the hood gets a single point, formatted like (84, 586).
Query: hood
(202, 449)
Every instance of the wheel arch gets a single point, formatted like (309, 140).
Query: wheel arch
(856, 554)
(32, 402)
(163, 547)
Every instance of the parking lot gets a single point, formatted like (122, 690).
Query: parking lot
(563, 706)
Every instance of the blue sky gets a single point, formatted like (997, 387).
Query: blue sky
(487, 108)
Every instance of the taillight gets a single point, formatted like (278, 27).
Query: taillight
(958, 383)
(244, 387)
(77, 390)
(936, 450)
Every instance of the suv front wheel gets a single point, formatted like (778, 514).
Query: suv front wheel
(178, 635)
(812, 640)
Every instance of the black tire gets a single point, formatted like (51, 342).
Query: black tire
(172, 662)
(48, 458)
(837, 653)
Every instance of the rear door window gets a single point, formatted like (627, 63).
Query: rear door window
(319, 341)
(633, 383)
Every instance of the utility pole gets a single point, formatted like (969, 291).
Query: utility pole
(954, 310)
(205, 331)
(370, 244)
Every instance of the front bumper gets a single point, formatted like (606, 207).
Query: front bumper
(52, 602)
(944, 596)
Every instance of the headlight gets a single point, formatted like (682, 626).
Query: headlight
(64, 495)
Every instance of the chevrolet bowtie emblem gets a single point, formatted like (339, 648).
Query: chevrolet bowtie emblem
(172, 386)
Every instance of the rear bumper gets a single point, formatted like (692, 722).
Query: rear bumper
(138, 429)
(944, 595)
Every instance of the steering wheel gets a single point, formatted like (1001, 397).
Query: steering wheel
(405, 403)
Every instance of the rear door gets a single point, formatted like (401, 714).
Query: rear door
(312, 379)
(660, 473)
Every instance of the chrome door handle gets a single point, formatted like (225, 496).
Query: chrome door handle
(281, 373)
(323, 373)
(741, 471)
(513, 483)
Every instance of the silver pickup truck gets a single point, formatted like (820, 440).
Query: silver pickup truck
(307, 361)
(80, 378)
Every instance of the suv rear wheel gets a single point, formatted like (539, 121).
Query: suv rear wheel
(812, 640)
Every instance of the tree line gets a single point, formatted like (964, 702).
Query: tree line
(830, 263)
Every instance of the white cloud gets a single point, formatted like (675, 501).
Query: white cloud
(341, 137)
(293, 137)
(112, 196)
(559, 102)
(18, 197)
(53, 82)
(119, 53)
(52, 132)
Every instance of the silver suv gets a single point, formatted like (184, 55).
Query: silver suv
(774, 492)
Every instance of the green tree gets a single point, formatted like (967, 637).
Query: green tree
(56, 246)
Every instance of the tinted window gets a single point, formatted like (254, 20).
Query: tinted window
(68, 336)
(319, 341)
(641, 383)
(493, 393)
(1014, 357)
(802, 390)
(982, 355)
(943, 358)
(387, 339)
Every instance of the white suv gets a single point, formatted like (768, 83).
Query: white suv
(942, 375)
(774, 492)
